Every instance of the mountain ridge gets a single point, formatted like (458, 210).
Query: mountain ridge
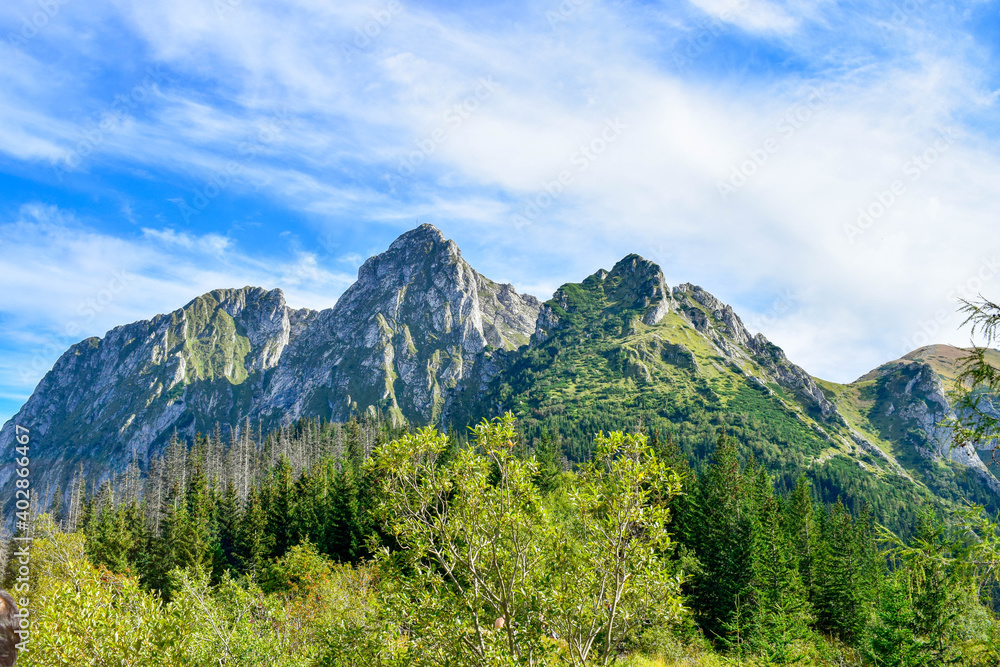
(422, 337)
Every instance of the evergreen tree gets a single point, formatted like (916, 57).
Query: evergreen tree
(781, 609)
(549, 457)
(56, 507)
(162, 554)
(891, 639)
(345, 538)
(253, 539)
(197, 539)
(716, 525)
(304, 522)
(355, 442)
(113, 536)
(229, 526)
(802, 531)
(277, 503)
(845, 575)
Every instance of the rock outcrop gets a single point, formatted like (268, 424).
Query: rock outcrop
(402, 340)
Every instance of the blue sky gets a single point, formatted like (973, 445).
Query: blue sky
(828, 168)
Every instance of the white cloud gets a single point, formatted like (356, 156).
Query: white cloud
(751, 15)
(356, 112)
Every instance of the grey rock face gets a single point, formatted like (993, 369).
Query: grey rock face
(638, 280)
(724, 328)
(402, 339)
(109, 399)
(912, 403)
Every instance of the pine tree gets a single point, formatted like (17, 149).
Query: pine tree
(802, 530)
(304, 523)
(111, 537)
(229, 526)
(891, 639)
(253, 540)
(56, 507)
(846, 570)
(344, 540)
(277, 503)
(197, 537)
(716, 524)
(355, 442)
(161, 556)
(781, 609)
(549, 458)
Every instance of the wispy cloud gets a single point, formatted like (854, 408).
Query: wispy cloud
(353, 120)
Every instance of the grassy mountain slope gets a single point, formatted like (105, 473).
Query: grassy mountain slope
(899, 406)
(619, 350)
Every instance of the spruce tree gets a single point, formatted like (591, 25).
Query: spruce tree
(253, 539)
(549, 457)
(229, 526)
(802, 530)
(716, 525)
(56, 507)
(345, 533)
(277, 502)
(198, 536)
(304, 521)
(781, 609)
(106, 544)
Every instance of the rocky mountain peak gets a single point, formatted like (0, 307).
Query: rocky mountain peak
(701, 308)
(639, 283)
(418, 236)
(406, 335)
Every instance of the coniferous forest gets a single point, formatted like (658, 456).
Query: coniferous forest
(367, 544)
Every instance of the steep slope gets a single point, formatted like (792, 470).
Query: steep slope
(622, 350)
(901, 405)
(107, 399)
(401, 340)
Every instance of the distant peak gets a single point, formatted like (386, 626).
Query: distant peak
(637, 280)
(640, 273)
(936, 350)
(422, 234)
(633, 263)
(235, 294)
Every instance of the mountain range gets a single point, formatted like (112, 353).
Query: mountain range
(421, 337)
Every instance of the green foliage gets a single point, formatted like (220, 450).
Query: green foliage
(487, 576)
(301, 572)
(633, 551)
(846, 574)
(781, 614)
(715, 522)
(943, 572)
(253, 542)
(978, 384)
(84, 615)
(115, 537)
(345, 533)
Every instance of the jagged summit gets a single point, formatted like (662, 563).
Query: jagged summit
(405, 336)
(424, 233)
(641, 281)
(422, 336)
(238, 296)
